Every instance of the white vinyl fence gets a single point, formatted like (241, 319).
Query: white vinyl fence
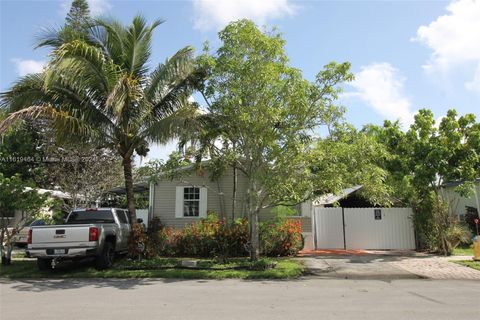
(143, 214)
(364, 228)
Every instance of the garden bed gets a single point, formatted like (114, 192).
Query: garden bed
(240, 268)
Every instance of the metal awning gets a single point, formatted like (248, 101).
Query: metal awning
(331, 198)
(137, 188)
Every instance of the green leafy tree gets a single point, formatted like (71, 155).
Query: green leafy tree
(346, 158)
(77, 27)
(265, 111)
(79, 15)
(103, 93)
(16, 195)
(425, 157)
(20, 151)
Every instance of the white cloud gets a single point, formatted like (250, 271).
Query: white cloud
(97, 7)
(380, 85)
(454, 39)
(25, 67)
(214, 14)
(474, 84)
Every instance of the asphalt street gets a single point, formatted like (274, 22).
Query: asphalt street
(307, 298)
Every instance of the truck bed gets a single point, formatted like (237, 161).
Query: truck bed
(59, 236)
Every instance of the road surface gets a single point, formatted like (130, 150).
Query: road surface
(309, 298)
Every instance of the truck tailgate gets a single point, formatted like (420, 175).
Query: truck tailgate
(60, 236)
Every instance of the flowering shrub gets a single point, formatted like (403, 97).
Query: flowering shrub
(139, 244)
(210, 237)
(214, 237)
(281, 238)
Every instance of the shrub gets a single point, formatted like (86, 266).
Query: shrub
(470, 216)
(282, 237)
(439, 231)
(216, 238)
(210, 237)
(139, 244)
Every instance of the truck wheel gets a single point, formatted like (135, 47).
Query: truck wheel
(105, 259)
(44, 264)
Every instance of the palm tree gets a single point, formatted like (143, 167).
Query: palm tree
(100, 90)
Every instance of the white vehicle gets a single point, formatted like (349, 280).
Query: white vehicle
(98, 233)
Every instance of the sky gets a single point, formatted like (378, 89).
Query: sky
(406, 55)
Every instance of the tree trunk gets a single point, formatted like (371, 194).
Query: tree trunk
(254, 237)
(221, 199)
(234, 193)
(7, 252)
(127, 171)
(253, 210)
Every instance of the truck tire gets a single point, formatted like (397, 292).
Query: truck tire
(44, 264)
(105, 259)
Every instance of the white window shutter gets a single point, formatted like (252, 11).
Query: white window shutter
(179, 202)
(307, 208)
(203, 203)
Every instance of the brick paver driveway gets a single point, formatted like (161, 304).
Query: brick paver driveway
(385, 265)
(437, 267)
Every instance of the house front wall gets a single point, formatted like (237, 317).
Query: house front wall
(458, 202)
(219, 199)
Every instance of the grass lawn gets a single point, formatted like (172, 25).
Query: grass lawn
(156, 268)
(463, 251)
(470, 263)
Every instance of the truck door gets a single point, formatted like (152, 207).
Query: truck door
(124, 220)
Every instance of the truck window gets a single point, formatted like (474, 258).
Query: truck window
(91, 216)
(121, 216)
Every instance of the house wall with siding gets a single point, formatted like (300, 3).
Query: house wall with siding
(459, 202)
(218, 192)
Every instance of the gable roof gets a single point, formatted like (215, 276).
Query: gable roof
(456, 183)
(330, 198)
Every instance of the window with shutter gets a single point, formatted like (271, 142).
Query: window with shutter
(191, 202)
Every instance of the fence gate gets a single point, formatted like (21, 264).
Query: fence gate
(364, 228)
(329, 228)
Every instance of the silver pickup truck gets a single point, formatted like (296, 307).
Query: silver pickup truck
(98, 233)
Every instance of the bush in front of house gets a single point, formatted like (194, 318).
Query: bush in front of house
(282, 237)
(216, 238)
(139, 243)
(210, 237)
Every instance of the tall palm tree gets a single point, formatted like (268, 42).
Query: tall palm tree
(100, 90)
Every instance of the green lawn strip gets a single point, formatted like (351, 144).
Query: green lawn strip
(469, 263)
(463, 251)
(285, 269)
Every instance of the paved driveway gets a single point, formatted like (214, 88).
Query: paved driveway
(379, 265)
(434, 267)
(232, 299)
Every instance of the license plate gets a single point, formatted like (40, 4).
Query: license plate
(59, 251)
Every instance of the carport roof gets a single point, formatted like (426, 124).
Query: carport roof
(137, 187)
(456, 183)
(331, 198)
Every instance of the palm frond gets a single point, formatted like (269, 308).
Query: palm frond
(61, 121)
(122, 95)
(138, 46)
(170, 82)
(31, 90)
(27, 91)
(55, 37)
(180, 64)
(83, 66)
(175, 124)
